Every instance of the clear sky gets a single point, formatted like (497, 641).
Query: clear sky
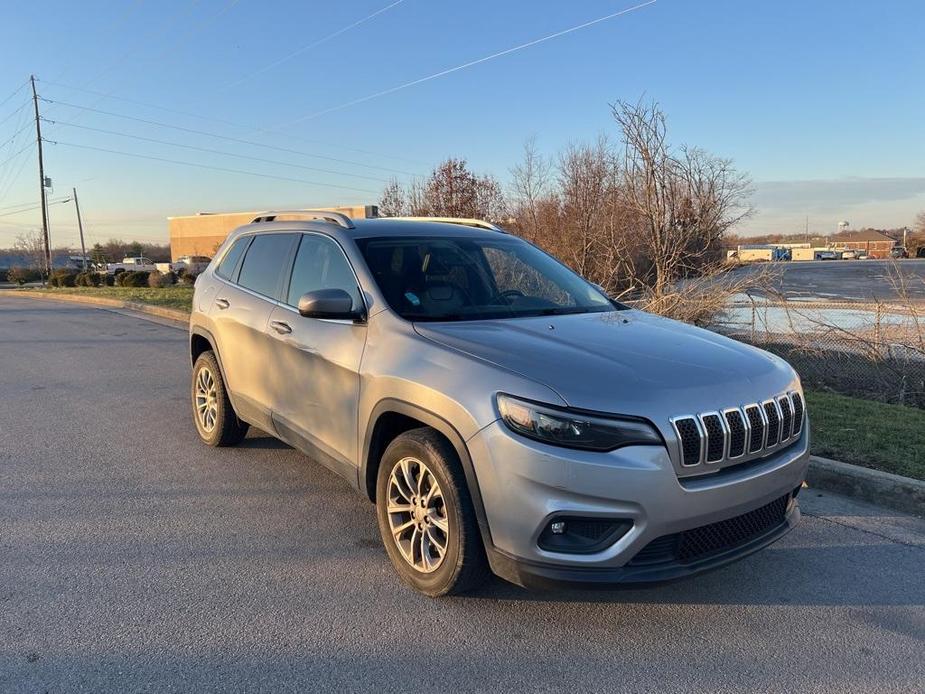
(821, 101)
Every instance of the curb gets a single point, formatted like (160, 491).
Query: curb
(883, 488)
(159, 311)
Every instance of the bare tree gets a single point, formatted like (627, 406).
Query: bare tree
(392, 203)
(530, 188)
(684, 199)
(31, 246)
(920, 223)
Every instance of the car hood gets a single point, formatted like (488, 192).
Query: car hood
(626, 362)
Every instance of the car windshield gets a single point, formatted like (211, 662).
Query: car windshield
(455, 278)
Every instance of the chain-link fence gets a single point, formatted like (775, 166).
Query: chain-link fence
(875, 351)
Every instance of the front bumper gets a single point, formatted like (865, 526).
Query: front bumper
(524, 484)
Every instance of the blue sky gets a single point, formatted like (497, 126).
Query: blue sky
(821, 101)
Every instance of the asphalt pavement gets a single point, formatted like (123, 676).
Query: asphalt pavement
(133, 558)
(848, 280)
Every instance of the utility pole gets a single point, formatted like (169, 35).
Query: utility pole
(80, 226)
(38, 139)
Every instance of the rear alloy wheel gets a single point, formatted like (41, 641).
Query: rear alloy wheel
(426, 518)
(215, 418)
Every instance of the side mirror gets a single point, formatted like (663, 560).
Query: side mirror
(328, 303)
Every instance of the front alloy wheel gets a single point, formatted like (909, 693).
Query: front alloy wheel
(426, 517)
(417, 515)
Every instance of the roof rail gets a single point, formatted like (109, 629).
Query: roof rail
(479, 223)
(337, 218)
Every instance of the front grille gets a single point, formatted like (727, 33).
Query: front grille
(770, 413)
(756, 422)
(716, 437)
(797, 414)
(736, 433)
(700, 543)
(786, 423)
(689, 434)
(739, 434)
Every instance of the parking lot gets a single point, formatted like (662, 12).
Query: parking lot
(848, 280)
(134, 558)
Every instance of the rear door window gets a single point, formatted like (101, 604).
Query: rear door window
(264, 262)
(227, 267)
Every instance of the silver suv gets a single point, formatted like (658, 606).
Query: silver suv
(503, 413)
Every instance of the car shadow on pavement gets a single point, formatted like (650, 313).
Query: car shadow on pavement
(854, 575)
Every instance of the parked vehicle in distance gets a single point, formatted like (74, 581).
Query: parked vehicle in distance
(136, 263)
(863, 255)
(190, 263)
(501, 412)
(849, 254)
(899, 252)
(827, 255)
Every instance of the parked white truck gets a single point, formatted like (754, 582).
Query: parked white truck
(137, 264)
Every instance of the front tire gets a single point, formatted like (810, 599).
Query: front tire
(216, 421)
(426, 518)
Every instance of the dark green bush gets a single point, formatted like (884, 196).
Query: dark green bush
(188, 278)
(161, 279)
(107, 280)
(21, 275)
(134, 278)
(88, 279)
(63, 278)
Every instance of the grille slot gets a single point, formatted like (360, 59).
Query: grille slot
(797, 413)
(716, 437)
(756, 422)
(786, 417)
(689, 435)
(736, 426)
(699, 543)
(738, 434)
(770, 412)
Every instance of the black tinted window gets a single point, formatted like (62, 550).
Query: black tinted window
(230, 261)
(264, 262)
(320, 264)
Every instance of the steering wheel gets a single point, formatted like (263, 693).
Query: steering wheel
(506, 294)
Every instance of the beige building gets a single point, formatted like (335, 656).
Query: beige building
(203, 233)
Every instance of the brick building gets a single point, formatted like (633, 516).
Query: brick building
(875, 244)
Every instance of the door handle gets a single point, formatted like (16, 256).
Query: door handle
(281, 327)
(222, 303)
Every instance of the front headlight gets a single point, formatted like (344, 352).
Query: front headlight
(572, 429)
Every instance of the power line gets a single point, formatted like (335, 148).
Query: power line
(226, 137)
(10, 182)
(206, 166)
(222, 121)
(21, 204)
(13, 136)
(212, 151)
(10, 115)
(11, 157)
(469, 64)
(15, 92)
(308, 47)
(35, 207)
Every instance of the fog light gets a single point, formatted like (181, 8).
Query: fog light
(580, 535)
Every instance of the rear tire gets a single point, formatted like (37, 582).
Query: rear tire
(216, 421)
(426, 518)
